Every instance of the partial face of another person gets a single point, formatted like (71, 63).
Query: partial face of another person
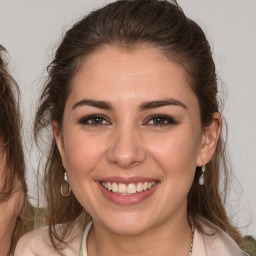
(10, 208)
(131, 139)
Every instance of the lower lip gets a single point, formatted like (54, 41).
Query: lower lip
(127, 199)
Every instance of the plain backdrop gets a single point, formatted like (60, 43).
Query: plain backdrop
(31, 30)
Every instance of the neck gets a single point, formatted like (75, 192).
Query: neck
(172, 237)
(5, 238)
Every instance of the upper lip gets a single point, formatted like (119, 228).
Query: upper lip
(126, 180)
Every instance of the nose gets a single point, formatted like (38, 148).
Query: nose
(126, 149)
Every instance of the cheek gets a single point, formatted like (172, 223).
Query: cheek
(81, 153)
(176, 153)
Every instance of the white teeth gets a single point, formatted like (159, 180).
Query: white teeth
(145, 186)
(131, 189)
(151, 184)
(139, 187)
(114, 187)
(122, 188)
(128, 189)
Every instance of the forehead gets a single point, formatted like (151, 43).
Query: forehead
(117, 73)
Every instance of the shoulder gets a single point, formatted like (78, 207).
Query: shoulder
(217, 243)
(37, 243)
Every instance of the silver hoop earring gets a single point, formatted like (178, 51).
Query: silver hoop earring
(201, 178)
(67, 183)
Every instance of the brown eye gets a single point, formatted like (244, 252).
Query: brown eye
(94, 120)
(161, 120)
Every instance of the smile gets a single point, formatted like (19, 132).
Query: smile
(128, 189)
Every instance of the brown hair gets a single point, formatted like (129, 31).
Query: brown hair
(10, 137)
(127, 24)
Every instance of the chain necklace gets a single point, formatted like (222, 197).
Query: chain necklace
(191, 244)
(83, 251)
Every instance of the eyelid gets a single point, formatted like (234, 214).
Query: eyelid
(84, 120)
(171, 120)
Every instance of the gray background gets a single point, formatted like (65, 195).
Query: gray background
(31, 30)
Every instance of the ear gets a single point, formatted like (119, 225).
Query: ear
(209, 141)
(59, 141)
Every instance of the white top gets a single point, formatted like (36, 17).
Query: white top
(36, 243)
(84, 239)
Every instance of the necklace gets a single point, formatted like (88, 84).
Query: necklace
(83, 251)
(191, 244)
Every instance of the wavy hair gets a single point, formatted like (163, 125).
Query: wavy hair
(10, 138)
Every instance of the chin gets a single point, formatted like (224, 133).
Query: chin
(129, 229)
(130, 224)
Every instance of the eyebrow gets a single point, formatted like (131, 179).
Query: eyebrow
(161, 103)
(94, 103)
(144, 106)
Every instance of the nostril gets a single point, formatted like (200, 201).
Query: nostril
(126, 159)
(125, 162)
(125, 149)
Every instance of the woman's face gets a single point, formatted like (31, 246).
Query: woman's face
(131, 139)
(9, 209)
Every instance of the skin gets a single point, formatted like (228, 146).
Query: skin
(128, 142)
(9, 210)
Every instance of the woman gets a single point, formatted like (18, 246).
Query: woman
(17, 215)
(12, 183)
(134, 163)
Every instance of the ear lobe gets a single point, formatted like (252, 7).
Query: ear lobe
(209, 140)
(59, 140)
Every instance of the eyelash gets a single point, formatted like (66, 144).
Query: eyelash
(91, 118)
(162, 120)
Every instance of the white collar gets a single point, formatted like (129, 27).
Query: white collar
(203, 245)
